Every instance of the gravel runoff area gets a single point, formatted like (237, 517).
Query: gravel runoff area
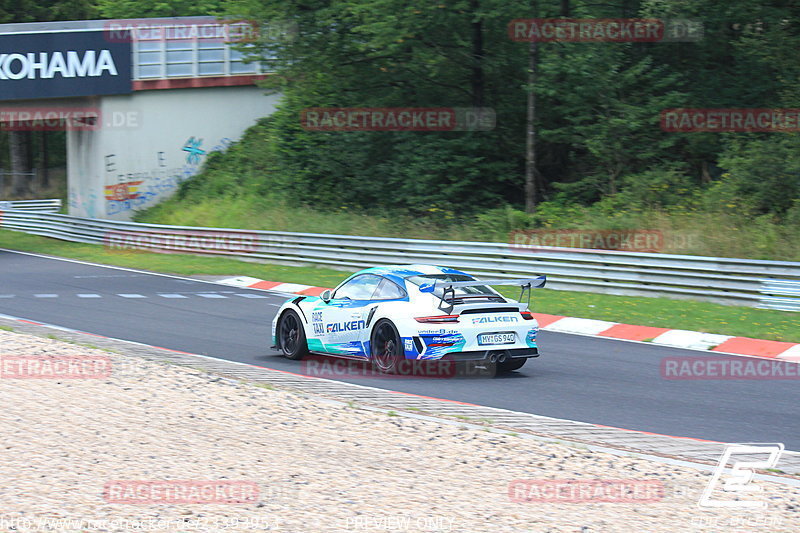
(117, 443)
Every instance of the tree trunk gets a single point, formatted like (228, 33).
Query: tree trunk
(44, 162)
(477, 80)
(17, 143)
(530, 141)
(612, 178)
(705, 176)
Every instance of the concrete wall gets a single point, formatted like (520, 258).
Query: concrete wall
(151, 141)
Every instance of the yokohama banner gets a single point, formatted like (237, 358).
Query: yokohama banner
(78, 63)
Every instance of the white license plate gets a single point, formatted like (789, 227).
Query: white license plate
(497, 338)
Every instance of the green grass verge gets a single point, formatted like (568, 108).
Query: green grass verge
(666, 313)
(659, 312)
(692, 233)
(179, 264)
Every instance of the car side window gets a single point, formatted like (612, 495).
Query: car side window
(388, 291)
(359, 288)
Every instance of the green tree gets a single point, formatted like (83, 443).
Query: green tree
(391, 53)
(763, 175)
(158, 8)
(46, 10)
(598, 105)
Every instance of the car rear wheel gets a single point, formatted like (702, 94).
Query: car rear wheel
(291, 336)
(511, 365)
(386, 348)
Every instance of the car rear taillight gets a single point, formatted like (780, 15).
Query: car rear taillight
(438, 319)
(527, 315)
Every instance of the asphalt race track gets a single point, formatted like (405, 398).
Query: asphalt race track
(602, 381)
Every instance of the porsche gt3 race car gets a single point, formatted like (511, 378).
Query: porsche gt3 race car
(387, 315)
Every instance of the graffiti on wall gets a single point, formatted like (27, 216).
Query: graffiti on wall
(86, 205)
(120, 192)
(192, 147)
(137, 190)
(223, 145)
(146, 189)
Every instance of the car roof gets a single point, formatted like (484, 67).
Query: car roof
(397, 273)
(405, 271)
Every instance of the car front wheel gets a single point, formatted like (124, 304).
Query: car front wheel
(291, 336)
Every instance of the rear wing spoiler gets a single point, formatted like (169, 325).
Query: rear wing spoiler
(525, 285)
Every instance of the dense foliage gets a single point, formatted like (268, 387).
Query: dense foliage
(600, 149)
(598, 106)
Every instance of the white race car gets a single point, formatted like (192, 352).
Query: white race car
(390, 314)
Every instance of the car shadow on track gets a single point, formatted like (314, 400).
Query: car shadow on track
(341, 369)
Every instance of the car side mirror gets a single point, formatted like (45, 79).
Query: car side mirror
(326, 295)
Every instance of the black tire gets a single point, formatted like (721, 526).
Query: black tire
(292, 336)
(511, 365)
(386, 349)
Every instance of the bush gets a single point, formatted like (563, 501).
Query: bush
(501, 221)
(763, 174)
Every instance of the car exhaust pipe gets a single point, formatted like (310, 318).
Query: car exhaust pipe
(502, 358)
(493, 358)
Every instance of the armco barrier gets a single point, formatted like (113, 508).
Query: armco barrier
(745, 282)
(41, 206)
(781, 294)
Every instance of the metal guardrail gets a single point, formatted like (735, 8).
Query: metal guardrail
(745, 282)
(781, 294)
(41, 206)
